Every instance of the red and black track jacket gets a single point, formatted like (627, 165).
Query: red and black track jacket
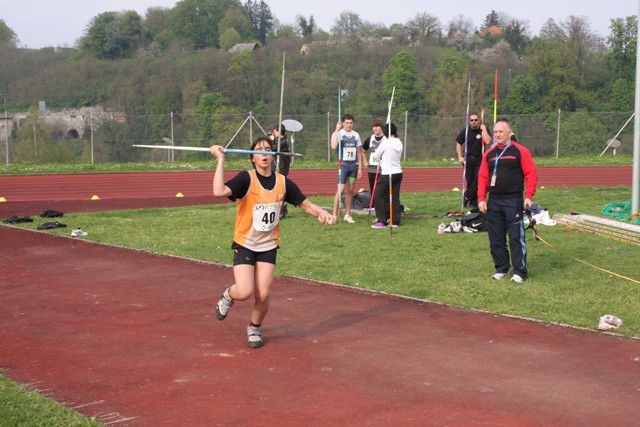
(516, 173)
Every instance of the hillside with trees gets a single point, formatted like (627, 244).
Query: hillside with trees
(179, 60)
(169, 59)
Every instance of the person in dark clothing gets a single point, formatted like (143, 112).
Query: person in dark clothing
(285, 161)
(507, 170)
(477, 136)
(388, 153)
(372, 143)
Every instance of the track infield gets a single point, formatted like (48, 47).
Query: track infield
(131, 338)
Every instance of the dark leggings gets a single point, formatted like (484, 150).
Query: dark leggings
(381, 200)
(372, 180)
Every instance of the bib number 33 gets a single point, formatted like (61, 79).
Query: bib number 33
(266, 216)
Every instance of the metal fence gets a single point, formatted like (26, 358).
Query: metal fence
(110, 140)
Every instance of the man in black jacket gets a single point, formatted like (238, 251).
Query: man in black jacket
(475, 136)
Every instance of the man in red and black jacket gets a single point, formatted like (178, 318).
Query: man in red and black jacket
(506, 172)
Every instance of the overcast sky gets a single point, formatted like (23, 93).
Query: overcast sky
(40, 23)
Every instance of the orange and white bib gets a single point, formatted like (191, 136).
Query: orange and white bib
(258, 215)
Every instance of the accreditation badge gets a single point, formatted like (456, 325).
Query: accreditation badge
(494, 177)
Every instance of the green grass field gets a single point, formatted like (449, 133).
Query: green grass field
(416, 261)
(20, 406)
(241, 163)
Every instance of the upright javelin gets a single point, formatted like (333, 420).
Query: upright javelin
(466, 141)
(284, 55)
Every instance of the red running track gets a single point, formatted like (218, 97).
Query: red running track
(155, 185)
(31, 194)
(131, 338)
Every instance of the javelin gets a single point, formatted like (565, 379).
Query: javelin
(393, 92)
(284, 55)
(466, 142)
(495, 96)
(224, 150)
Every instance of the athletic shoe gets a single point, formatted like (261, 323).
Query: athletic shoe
(393, 225)
(517, 279)
(379, 224)
(609, 322)
(224, 305)
(347, 218)
(79, 232)
(499, 276)
(254, 335)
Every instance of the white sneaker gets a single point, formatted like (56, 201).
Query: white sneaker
(79, 232)
(517, 279)
(499, 276)
(347, 218)
(254, 335)
(223, 305)
(609, 322)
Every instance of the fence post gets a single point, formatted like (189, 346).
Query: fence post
(406, 125)
(6, 129)
(558, 135)
(91, 131)
(250, 127)
(35, 143)
(172, 142)
(328, 139)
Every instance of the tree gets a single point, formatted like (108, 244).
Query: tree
(230, 37)
(622, 47)
(581, 40)
(286, 31)
(191, 94)
(493, 18)
(622, 95)
(523, 97)
(236, 17)
(262, 20)
(113, 35)
(452, 63)
(204, 112)
(459, 31)
(197, 21)
(515, 34)
(156, 21)
(247, 77)
(424, 27)
(306, 26)
(551, 30)
(348, 26)
(7, 35)
(402, 74)
(555, 71)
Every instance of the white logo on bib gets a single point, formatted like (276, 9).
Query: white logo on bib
(266, 216)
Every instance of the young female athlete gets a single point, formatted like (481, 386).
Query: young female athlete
(259, 195)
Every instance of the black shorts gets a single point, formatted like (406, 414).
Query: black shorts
(243, 255)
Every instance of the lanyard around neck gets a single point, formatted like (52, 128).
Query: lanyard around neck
(495, 165)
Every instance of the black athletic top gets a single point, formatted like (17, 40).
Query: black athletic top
(285, 161)
(516, 173)
(474, 147)
(239, 185)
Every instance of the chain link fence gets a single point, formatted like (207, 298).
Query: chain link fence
(39, 139)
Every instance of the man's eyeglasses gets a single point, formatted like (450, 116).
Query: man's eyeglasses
(473, 120)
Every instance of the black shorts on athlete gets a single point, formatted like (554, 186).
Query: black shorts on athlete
(243, 255)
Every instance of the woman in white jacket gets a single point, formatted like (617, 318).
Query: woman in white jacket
(389, 153)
